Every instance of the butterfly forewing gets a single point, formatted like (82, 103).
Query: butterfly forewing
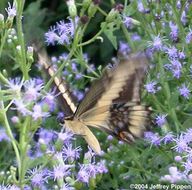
(67, 99)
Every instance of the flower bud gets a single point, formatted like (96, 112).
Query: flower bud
(30, 55)
(15, 119)
(92, 10)
(112, 15)
(72, 8)
(86, 3)
(43, 145)
(84, 19)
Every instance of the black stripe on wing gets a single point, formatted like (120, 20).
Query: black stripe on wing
(66, 99)
(128, 121)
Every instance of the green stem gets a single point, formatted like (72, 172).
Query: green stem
(10, 134)
(3, 79)
(168, 94)
(128, 37)
(102, 11)
(23, 151)
(47, 86)
(3, 40)
(21, 40)
(94, 37)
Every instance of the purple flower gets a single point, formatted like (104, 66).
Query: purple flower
(175, 67)
(124, 48)
(60, 171)
(101, 167)
(46, 135)
(71, 153)
(54, 59)
(172, 52)
(160, 119)
(66, 187)
(21, 107)
(15, 119)
(11, 11)
(178, 158)
(184, 17)
(109, 137)
(128, 21)
(78, 94)
(64, 39)
(135, 37)
(151, 87)
(91, 170)
(67, 28)
(62, 27)
(89, 155)
(153, 138)
(181, 55)
(179, 5)
(189, 37)
(32, 90)
(86, 58)
(38, 113)
(61, 33)
(14, 187)
(188, 165)
(39, 177)
(140, 7)
(65, 137)
(74, 67)
(184, 91)
(174, 175)
(91, 68)
(190, 177)
(157, 43)
(174, 31)
(181, 144)
(51, 37)
(49, 99)
(83, 175)
(3, 135)
(78, 76)
(169, 137)
(15, 85)
(60, 116)
(188, 135)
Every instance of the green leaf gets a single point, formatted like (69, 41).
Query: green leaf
(129, 10)
(109, 31)
(174, 99)
(187, 123)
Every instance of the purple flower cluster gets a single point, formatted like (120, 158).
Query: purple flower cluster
(11, 10)
(151, 87)
(181, 145)
(62, 32)
(64, 163)
(29, 100)
(88, 171)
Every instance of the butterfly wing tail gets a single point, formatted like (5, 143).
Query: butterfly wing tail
(79, 128)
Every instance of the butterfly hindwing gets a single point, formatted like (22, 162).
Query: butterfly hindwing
(128, 121)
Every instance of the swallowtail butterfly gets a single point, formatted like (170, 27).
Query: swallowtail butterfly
(112, 103)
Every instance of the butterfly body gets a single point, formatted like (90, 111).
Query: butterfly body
(112, 103)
